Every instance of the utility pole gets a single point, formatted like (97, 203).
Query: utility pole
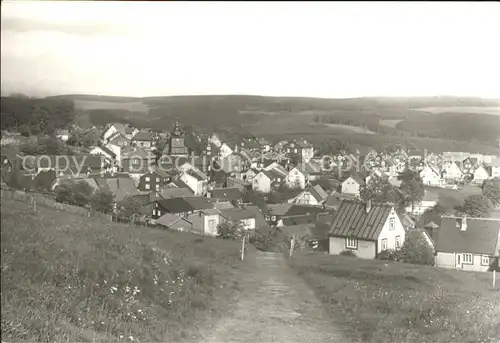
(243, 245)
(494, 278)
(34, 205)
(292, 243)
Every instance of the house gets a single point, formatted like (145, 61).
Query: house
(145, 139)
(154, 180)
(430, 176)
(104, 151)
(495, 167)
(233, 195)
(62, 135)
(469, 165)
(176, 184)
(366, 229)
(480, 174)
(136, 161)
(181, 206)
(298, 150)
(314, 195)
(232, 182)
(174, 222)
(217, 178)
(120, 185)
(452, 171)
(296, 178)
(174, 192)
(196, 181)
(113, 129)
(130, 132)
(279, 215)
(227, 148)
(430, 199)
(471, 244)
(352, 185)
(205, 222)
(266, 180)
(234, 163)
(250, 143)
(239, 215)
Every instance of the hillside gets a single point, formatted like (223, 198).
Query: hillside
(68, 278)
(395, 302)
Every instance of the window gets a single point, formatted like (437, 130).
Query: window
(157, 186)
(146, 186)
(295, 151)
(398, 242)
(273, 218)
(467, 258)
(485, 260)
(147, 178)
(384, 244)
(211, 223)
(157, 179)
(391, 224)
(351, 243)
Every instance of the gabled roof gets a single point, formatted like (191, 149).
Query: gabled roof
(226, 194)
(168, 193)
(198, 175)
(116, 136)
(260, 220)
(187, 204)
(144, 136)
(134, 152)
(236, 214)
(272, 175)
(299, 220)
(352, 220)
(169, 219)
(480, 237)
(121, 187)
(106, 150)
(177, 184)
(278, 209)
(356, 178)
(301, 210)
(318, 193)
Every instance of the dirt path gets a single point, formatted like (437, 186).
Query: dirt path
(276, 306)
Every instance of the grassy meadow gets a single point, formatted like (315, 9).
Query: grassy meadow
(394, 302)
(68, 278)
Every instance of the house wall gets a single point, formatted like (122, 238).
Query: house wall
(366, 249)
(111, 131)
(480, 175)
(261, 183)
(391, 235)
(429, 177)
(192, 183)
(295, 178)
(302, 199)
(495, 172)
(307, 154)
(350, 186)
(183, 226)
(448, 260)
(225, 150)
(210, 223)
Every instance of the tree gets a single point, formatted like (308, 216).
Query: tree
(75, 193)
(102, 201)
(408, 174)
(251, 196)
(379, 189)
(416, 250)
(477, 206)
(230, 230)
(412, 191)
(491, 190)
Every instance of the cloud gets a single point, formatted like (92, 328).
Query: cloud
(82, 29)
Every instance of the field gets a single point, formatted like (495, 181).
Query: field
(390, 122)
(461, 109)
(133, 106)
(349, 128)
(395, 302)
(67, 278)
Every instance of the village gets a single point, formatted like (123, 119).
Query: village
(185, 181)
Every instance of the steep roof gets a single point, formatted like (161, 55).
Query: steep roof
(198, 175)
(260, 220)
(168, 219)
(318, 192)
(480, 237)
(352, 220)
(301, 210)
(144, 136)
(299, 220)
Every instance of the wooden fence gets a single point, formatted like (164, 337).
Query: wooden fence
(44, 201)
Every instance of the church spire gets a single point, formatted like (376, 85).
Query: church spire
(177, 128)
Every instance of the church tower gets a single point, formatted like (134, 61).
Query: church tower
(177, 141)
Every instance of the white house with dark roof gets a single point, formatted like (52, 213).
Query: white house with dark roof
(352, 185)
(471, 244)
(495, 167)
(314, 195)
(430, 176)
(265, 180)
(297, 178)
(366, 229)
(195, 180)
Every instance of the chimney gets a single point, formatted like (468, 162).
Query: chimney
(368, 205)
(463, 223)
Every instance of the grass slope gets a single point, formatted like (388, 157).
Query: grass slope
(67, 278)
(395, 302)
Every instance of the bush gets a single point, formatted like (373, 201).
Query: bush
(389, 255)
(348, 253)
(415, 250)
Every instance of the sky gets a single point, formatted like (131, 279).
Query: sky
(330, 49)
